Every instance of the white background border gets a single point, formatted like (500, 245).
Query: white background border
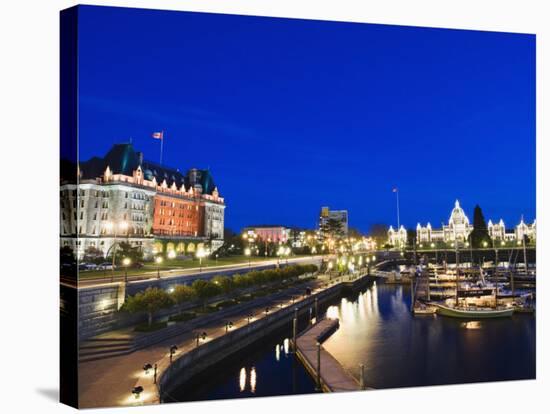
(29, 210)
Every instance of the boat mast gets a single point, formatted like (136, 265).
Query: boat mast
(524, 249)
(456, 262)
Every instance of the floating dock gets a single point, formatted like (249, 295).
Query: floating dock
(333, 377)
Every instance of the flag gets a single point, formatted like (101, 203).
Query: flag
(394, 190)
(158, 135)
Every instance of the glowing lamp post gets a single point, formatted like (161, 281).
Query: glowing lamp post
(147, 367)
(158, 261)
(247, 253)
(137, 391)
(112, 228)
(228, 326)
(201, 336)
(280, 252)
(173, 350)
(200, 254)
(126, 262)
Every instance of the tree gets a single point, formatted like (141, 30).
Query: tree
(353, 232)
(232, 243)
(94, 255)
(411, 237)
(134, 253)
(379, 232)
(151, 301)
(67, 255)
(205, 290)
(479, 232)
(332, 227)
(183, 294)
(242, 281)
(225, 283)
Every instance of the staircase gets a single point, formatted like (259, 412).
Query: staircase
(101, 347)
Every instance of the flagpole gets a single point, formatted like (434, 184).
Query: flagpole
(161, 145)
(397, 200)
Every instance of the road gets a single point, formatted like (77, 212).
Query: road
(194, 273)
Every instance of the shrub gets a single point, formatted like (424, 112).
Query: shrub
(205, 290)
(151, 301)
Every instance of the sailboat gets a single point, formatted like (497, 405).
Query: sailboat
(471, 312)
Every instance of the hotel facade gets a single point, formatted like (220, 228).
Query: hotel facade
(124, 198)
(458, 229)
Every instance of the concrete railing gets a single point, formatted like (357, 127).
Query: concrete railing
(208, 354)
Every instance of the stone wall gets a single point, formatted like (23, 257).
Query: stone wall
(98, 306)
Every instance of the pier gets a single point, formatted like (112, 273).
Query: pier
(331, 377)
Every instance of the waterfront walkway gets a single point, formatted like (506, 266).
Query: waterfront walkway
(334, 378)
(108, 382)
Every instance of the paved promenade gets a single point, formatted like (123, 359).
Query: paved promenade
(334, 378)
(109, 382)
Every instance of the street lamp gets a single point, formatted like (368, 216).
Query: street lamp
(137, 391)
(200, 254)
(247, 253)
(158, 261)
(111, 227)
(147, 367)
(280, 252)
(126, 262)
(287, 253)
(171, 254)
(201, 336)
(173, 350)
(228, 326)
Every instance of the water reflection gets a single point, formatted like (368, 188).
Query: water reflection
(398, 349)
(333, 312)
(472, 325)
(242, 379)
(253, 380)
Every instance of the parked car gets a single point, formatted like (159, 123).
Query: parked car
(105, 266)
(86, 266)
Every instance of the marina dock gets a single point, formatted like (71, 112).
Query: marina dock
(333, 377)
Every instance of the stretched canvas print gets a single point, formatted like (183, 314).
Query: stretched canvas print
(256, 206)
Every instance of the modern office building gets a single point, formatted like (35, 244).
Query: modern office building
(328, 215)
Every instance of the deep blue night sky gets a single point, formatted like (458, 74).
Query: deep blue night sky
(290, 115)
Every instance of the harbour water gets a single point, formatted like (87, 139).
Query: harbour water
(397, 349)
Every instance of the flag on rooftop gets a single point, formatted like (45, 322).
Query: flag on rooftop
(158, 135)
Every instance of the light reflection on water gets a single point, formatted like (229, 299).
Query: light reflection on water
(253, 380)
(398, 349)
(242, 379)
(244, 373)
